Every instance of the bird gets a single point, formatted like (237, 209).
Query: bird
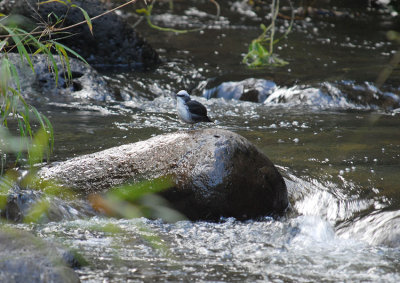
(190, 111)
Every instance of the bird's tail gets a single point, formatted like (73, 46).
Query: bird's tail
(207, 119)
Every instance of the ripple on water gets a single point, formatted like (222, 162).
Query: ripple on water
(302, 248)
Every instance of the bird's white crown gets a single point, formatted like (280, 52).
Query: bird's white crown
(183, 93)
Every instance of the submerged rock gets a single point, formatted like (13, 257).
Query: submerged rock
(26, 258)
(85, 83)
(217, 173)
(21, 203)
(113, 41)
(254, 90)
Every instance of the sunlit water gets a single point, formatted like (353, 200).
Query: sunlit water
(340, 157)
(300, 249)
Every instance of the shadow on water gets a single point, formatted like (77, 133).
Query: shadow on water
(334, 136)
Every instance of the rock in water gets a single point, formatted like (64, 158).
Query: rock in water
(217, 173)
(85, 82)
(26, 258)
(113, 41)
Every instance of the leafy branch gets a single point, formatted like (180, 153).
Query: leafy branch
(261, 50)
(28, 44)
(13, 103)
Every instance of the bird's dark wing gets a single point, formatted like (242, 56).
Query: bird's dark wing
(198, 111)
(197, 108)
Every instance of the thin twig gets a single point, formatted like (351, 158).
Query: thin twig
(218, 8)
(274, 13)
(96, 17)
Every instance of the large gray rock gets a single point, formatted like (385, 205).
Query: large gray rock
(216, 172)
(113, 41)
(26, 258)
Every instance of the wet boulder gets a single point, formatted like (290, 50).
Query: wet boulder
(26, 258)
(85, 83)
(216, 173)
(19, 204)
(113, 41)
(364, 94)
(254, 90)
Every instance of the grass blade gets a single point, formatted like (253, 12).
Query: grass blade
(51, 1)
(45, 48)
(64, 59)
(20, 46)
(72, 52)
(15, 76)
(87, 18)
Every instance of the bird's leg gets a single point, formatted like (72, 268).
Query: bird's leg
(190, 127)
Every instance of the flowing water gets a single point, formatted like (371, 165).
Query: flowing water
(334, 135)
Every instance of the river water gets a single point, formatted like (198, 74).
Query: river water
(332, 133)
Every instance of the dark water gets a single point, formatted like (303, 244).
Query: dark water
(331, 132)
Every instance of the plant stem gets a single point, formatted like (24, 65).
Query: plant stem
(95, 17)
(271, 41)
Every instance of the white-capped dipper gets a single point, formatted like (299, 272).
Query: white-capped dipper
(190, 111)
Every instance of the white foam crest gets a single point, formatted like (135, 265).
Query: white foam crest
(101, 109)
(299, 249)
(312, 230)
(313, 198)
(244, 9)
(376, 228)
(309, 96)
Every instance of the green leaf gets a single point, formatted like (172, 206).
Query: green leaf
(37, 210)
(25, 117)
(51, 135)
(260, 49)
(252, 46)
(15, 76)
(72, 52)
(39, 117)
(6, 110)
(87, 18)
(263, 27)
(2, 44)
(43, 48)
(5, 75)
(143, 11)
(23, 142)
(11, 143)
(136, 191)
(6, 183)
(47, 128)
(51, 1)
(39, 147)
(20, 46)
(64, 58)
